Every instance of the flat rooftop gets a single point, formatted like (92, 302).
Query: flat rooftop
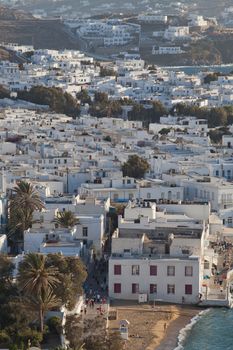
(153, 257)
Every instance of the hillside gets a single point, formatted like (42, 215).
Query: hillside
(9, 14)
(17, 26)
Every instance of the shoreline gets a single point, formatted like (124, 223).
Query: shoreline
(158, 330)
(224, 65)
(154, 328)
(178, 327)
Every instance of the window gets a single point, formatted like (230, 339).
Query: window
(117, 288)
(171, 270)
(217, 173)
(224, 198)
(153, 288)
(229, 198)
(135, 288)
(85, 231)
(229, 220)
(148, 196)
(188, 270)
(170, 289)
(128, 181)
(153, 270)
(188, 289)
(135, 269)
(117, 269)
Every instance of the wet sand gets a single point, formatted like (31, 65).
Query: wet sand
(169, 341)
(153, 329)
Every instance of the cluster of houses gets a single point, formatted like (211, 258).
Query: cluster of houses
(174, 39)
(111, 32)
(73, 71)
(164, 245)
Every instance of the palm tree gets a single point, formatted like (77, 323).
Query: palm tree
(23, 202)
(44, 302)
(26, 197)
(37, 282)
(66, 219)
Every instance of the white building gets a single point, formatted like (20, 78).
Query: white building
(176, 33)
(160, 255)
(152, 18)
(167, 50)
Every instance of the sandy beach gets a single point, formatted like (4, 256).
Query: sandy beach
(152, 328)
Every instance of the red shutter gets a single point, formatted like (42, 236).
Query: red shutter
(117, 269)
(188, 289)
(153, 288)
(117, 288)
(153, 270)
(135, 288)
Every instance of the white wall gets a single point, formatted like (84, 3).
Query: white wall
(3, 244)
(7, 148)
(95, 230)
(195, 211)
(132, 213)
(162, 280)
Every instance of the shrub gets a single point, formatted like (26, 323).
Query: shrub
(54, 324)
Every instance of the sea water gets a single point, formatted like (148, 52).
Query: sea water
(212, 329)
(223, 68)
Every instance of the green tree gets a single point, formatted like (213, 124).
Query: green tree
(164, 131)
(37, 283)
(107, 72)
(135, 167)
(55, 98)
(55, 324)
(4, 93)
(107, 138)
(83, 96)
(23, 202)
(103, 107)
(217, 117)
(66, 219)
(158, 111)
(149, 114)
(74, 332)
(6, 269)
(101, 97)
(72, 274)
(217, 134)
(211, 77)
